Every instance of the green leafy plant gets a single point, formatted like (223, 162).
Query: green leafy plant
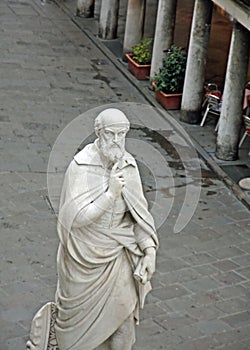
(170, 78)
(142, 52)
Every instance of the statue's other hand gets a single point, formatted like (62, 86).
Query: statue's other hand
(148, 264)
(116, 182)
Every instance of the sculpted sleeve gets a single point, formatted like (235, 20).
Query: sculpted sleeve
(82, 186)
(144, 230)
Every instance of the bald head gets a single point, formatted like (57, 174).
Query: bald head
(111, 117)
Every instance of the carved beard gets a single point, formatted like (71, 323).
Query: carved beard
(113, 152)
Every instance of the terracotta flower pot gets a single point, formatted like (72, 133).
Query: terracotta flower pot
(168, 101)
(140, 71)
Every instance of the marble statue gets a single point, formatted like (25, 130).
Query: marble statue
(107, 250)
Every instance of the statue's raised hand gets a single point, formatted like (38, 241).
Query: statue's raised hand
(116, 182)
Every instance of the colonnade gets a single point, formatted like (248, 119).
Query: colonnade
(238, 58)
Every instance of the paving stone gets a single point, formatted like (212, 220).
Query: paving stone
(227, 228)
(174, 320)
(226, 265)
(204, 343)
(201, 284)
(207, 234)
(239, 215)
(232, 291)
(227, 252)
(245, 246)
(245, 225)
(179, 304)
(245, 272)
(10, 330)
(205, 313)
(243, 260)
(198, 258)
(208, 222)
(238, 320)
(155, 335)
(246, 285)
(206, 298)
(188, 333)
(16, 343)
(211, 245)
(171, 265)
(229, 278)
(151, 311)
(179, 276)
(209, 327)
(231, 306)
(160, 341)
(206, 270)
(233, 335)
(238, 346)
(169, 292)
(23, 10)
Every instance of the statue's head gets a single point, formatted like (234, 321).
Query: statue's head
(111, 127)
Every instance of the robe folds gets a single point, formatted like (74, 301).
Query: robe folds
(96, 291)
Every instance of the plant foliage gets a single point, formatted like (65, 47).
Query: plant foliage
(170, 78)
(142, 52)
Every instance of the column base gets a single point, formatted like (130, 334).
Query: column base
(226, 153)
(190, 117)
(85, 8)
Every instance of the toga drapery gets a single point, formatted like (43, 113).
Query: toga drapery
(96, 290)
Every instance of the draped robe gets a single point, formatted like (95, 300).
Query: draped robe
(96, 290)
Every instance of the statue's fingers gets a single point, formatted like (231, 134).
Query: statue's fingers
(115, 166)
(143, 268)
(144, 279)
(149, 276)
(150, 269)
(119, 174)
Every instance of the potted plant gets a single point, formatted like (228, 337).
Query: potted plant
(139, 61)
(168, 83)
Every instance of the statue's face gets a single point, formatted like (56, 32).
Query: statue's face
(112, 142)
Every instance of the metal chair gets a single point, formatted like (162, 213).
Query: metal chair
(246, 121)
(210, 89)
(213, 105)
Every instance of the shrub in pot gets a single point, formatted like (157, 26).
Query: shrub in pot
(139, 61)
(168, 83)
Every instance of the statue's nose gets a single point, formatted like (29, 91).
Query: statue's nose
(115, 138)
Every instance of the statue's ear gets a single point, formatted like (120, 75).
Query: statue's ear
(97, 132)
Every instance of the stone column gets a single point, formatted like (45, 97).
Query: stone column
(164, 32)
(85, 8)
(196, 62)
(231, 112)
(108, 21)
(150, 18)
(134, 27)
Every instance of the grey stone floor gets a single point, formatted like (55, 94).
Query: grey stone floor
(51, 71)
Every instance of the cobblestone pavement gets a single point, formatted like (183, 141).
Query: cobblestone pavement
(51, 72)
